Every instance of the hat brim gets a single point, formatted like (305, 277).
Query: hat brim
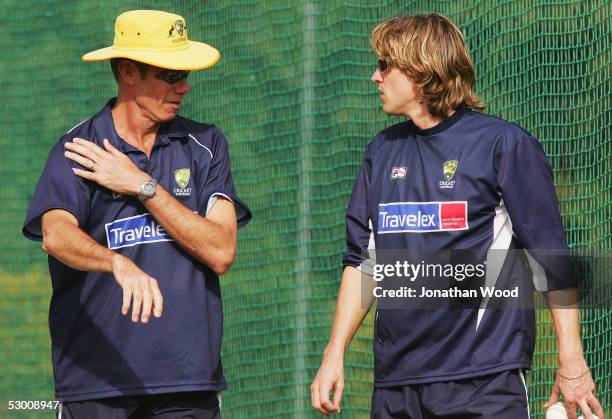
(198, 56)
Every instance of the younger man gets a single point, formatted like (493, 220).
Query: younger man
(441, 362)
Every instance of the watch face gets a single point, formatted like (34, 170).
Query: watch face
(148, 189)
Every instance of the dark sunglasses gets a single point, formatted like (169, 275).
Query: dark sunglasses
(171, 76)
(383, 64)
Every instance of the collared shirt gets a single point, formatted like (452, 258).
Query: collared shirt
(96, 351)
(471, 182)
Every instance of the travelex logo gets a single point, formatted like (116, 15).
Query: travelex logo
(422, 217)
(132, 231)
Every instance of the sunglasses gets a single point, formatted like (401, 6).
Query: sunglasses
(383, 64)
(171, 76)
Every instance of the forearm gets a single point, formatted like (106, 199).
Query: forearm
(351, 309)
(66, 242)
(211, 241)
(204, 239)
(565, 313)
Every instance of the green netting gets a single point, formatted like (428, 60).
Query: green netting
(292, 93)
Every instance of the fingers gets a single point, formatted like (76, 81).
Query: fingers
(158, 300)
(139, 290)
(110, 148)
(326, 405)
(127, 299)
(586, 411)
(147, 306)
(87, 153)
(315, 397)
(596, 406)
(554, 397)
(85, 147)
(146, 299)
(570, 406)
(77, 158)
(136, 305)
(84, 174)
(338, 395)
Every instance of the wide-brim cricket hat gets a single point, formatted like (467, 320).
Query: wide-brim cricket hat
(156, 38)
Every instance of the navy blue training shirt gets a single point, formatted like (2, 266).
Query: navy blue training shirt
(471, 182)
(96, 351)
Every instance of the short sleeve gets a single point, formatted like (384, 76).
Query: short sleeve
(359, 235)
(219, 183)
(525, 179)
(58, 188)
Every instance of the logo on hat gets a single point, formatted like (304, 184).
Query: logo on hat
(179, 26)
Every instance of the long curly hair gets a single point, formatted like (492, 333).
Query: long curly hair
(431, 50)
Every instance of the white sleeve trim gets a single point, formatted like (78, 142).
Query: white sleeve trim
(367, 266)
(240, 212)
(80, 123)
(201, 145)
(540, 281)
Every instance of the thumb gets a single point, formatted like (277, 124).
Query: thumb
(554, 397)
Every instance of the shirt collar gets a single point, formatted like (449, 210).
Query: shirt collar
(442, 125)
(105, 128)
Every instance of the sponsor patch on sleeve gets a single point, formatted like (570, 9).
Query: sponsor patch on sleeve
(422, 217)
(133, 231)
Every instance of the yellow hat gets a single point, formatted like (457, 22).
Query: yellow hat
(156, 38)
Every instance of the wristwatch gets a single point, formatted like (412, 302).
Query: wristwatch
(147, 189)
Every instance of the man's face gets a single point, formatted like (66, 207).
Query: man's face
(397, 92)
(158, 99)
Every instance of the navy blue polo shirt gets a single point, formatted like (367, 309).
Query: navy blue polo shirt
(471, 182)
(96, 351)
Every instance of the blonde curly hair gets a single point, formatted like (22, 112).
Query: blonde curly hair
(431, 50)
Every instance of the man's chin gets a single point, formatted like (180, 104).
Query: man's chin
(390, 111)
(168, 116)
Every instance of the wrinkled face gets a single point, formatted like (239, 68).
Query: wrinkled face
(398, 93)
(158, 99)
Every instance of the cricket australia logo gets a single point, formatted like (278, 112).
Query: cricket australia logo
(448, 172)
(179, 28)
(181, 177)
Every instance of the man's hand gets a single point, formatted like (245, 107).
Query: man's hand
(578, 392)
(64, 240)
(137, 287)
(109, 168)
(330, 377)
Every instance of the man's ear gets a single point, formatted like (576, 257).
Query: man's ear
(128, 72)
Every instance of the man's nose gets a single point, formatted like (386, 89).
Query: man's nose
(181, 86)
(376, 76)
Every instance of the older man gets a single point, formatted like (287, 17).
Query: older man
(137, 210)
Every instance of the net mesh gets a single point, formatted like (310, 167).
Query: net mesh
(292, 94)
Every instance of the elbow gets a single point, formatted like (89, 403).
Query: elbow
(224, 261)
(48, 244)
